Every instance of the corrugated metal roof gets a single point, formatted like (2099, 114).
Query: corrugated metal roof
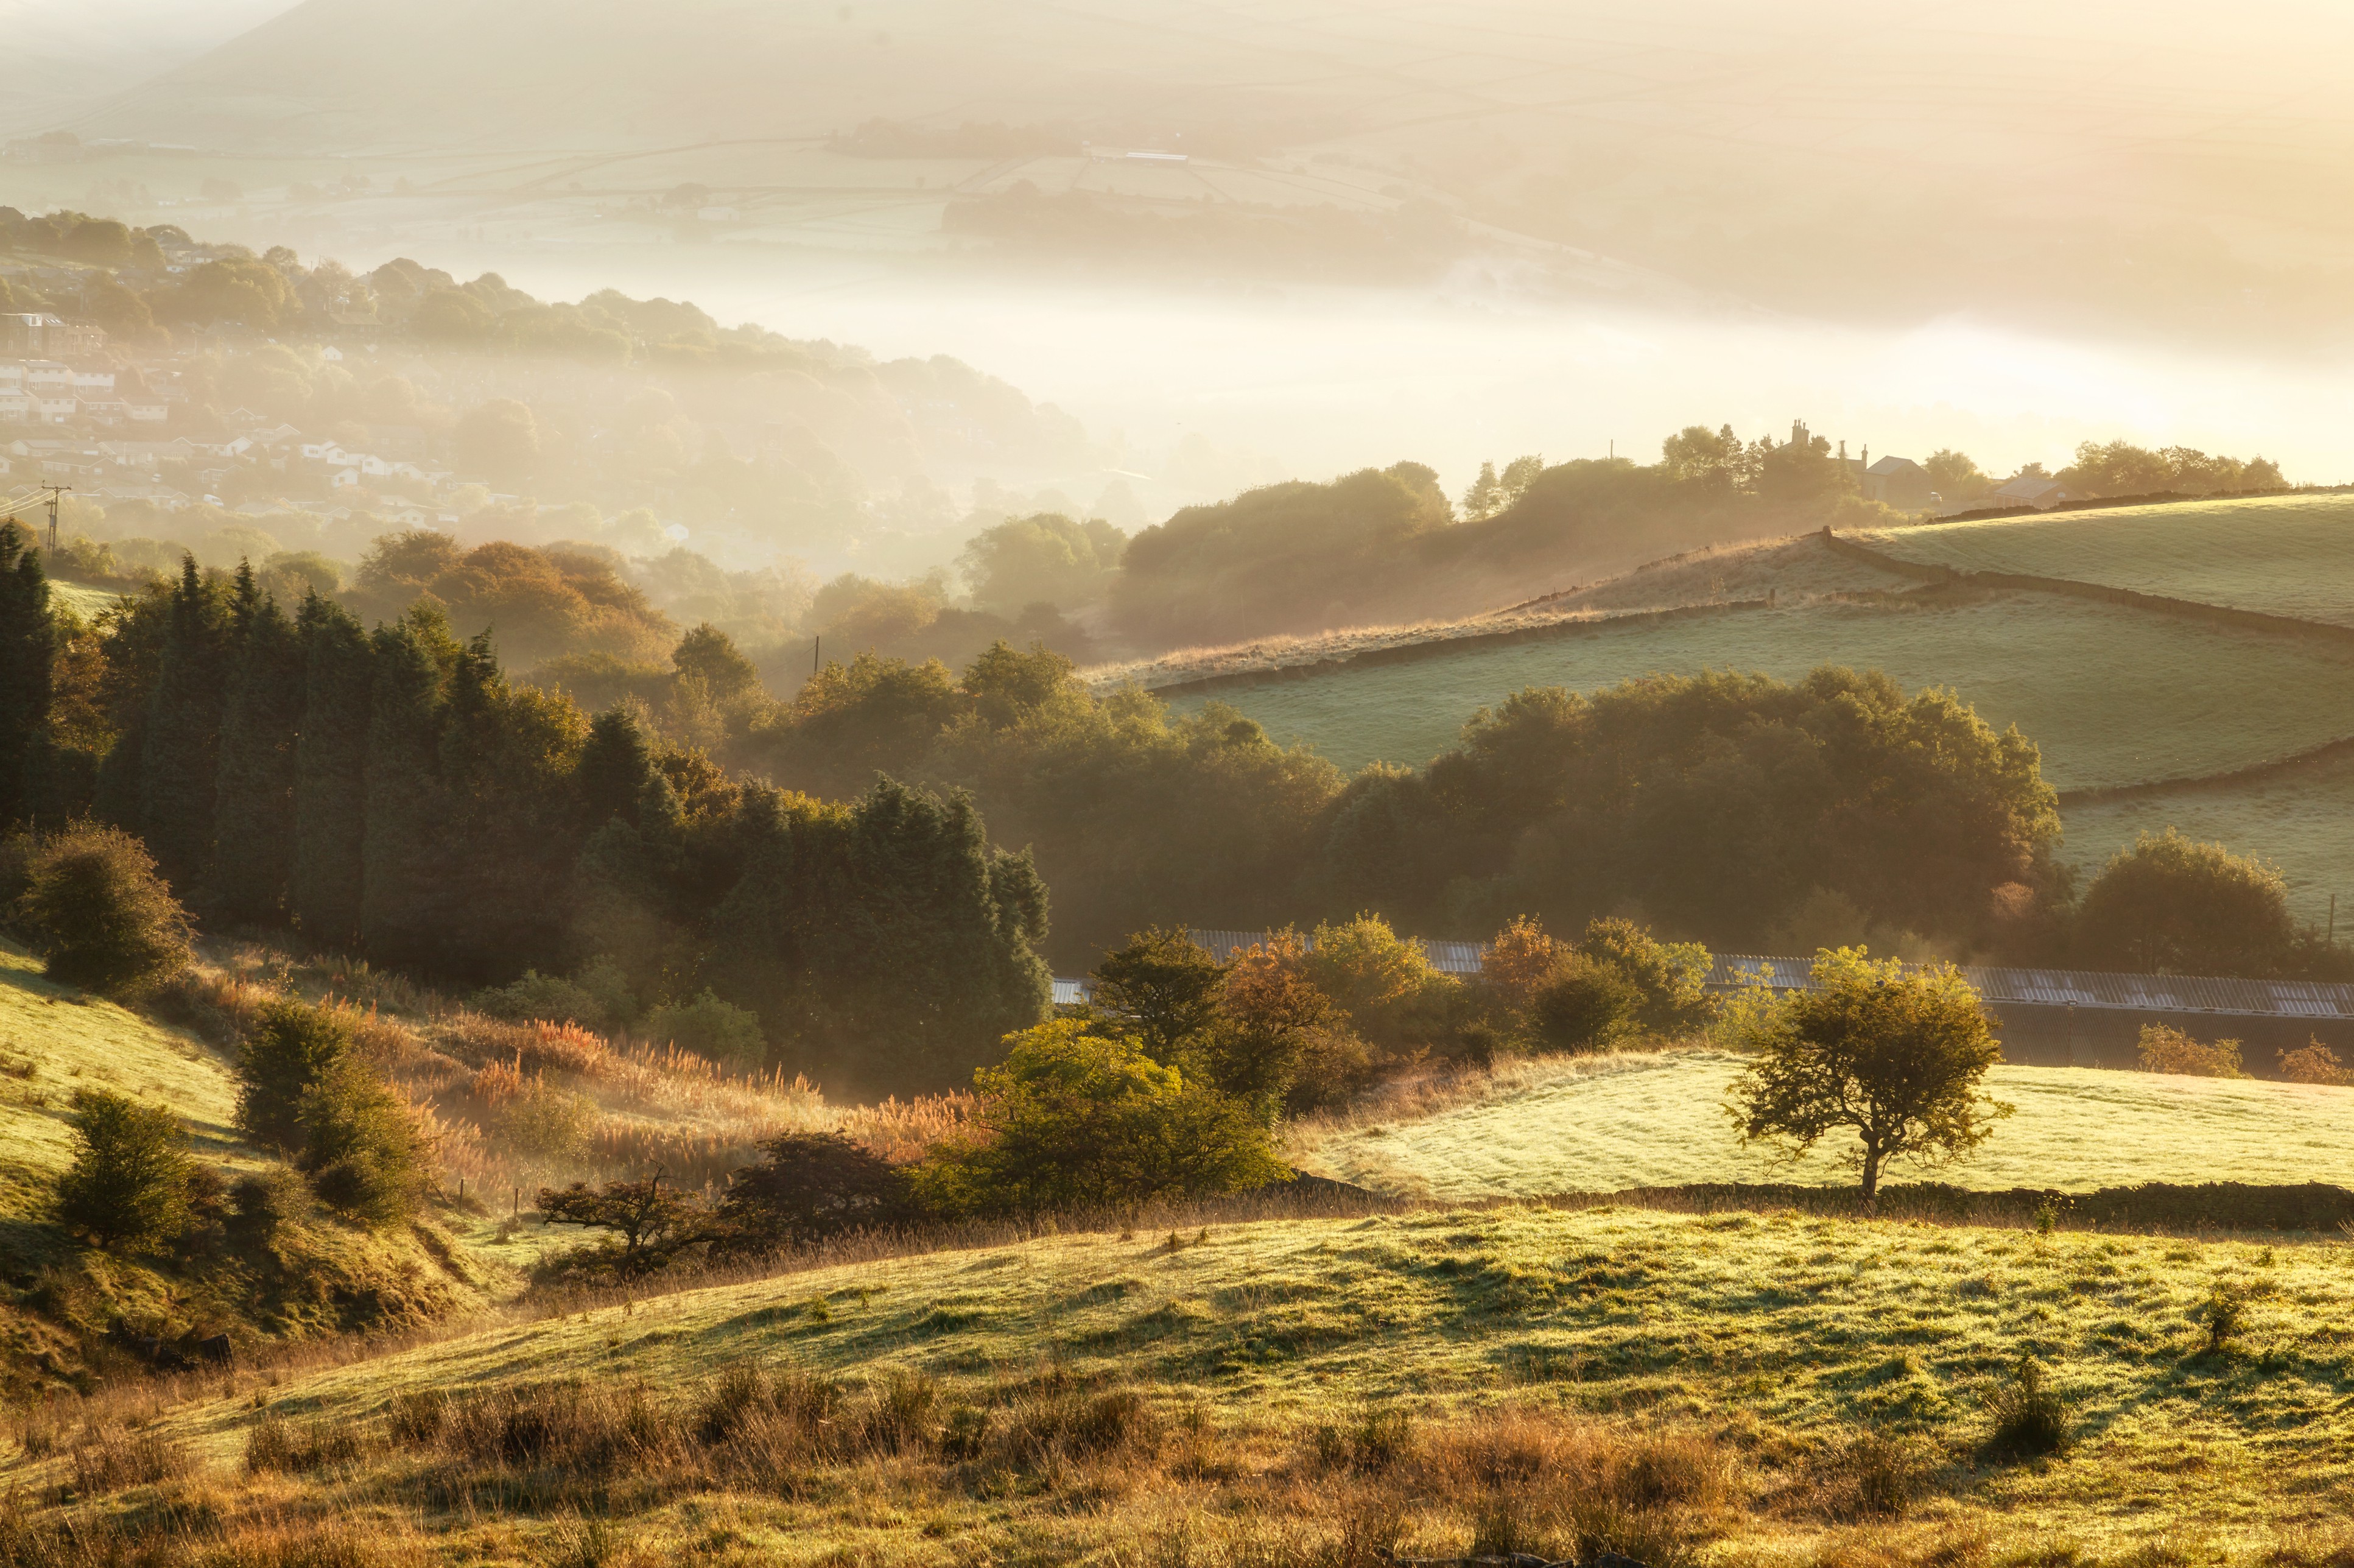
(2090, 989)
(1071, 993)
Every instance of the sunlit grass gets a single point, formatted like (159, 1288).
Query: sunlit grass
(1606, 1124)
(1774, 1339)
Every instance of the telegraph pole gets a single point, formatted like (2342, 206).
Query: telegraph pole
(55, 491)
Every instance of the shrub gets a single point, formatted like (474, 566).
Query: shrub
(129, 1182)
(1382, 980)
(2223, 1314)
(361, 1146)
(714, 1029)
(1278, 1034)
(2165, 1050)
(1519, 964)
(2029, 1417)
(288, 1049)
(537, 996)
(811, 1185)
(2171, 905)
(1670, 980)
(2316, 1064)
(1376, 1442)
(1587, 1005)
(263, 1201)
(99, 916)
(1076, 1118)
(546, 1125)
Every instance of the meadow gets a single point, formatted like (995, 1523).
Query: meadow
(2283, 555)
(1603, 1124)
(1727, 1388)
(2296, 817)
(2112, 696)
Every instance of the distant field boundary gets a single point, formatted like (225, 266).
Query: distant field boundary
(2255, 772)
(2153, 1207)
(2131, 598)
(1441, 647)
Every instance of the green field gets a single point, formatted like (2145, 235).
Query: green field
(1526, 1358)
(2112, 696)
(2301, 819)
(1610, 1123)
(2289, 554)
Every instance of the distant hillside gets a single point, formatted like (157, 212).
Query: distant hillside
(2232, 727)
(1781, 154)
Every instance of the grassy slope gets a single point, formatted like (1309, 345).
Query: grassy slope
(83, 600)
(1765, 1330)
(2296, 819)
(69, 1041)
(2112, 696)
(1606, 1124)
(2281, 555)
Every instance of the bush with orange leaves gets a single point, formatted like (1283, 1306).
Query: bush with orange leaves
(2316, 1064)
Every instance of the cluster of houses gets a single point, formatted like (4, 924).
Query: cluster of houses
(98, 426)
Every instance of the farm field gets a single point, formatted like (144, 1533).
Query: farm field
(1694, 1383)
(83, 600)
(2301, 819)
(2112, 696)
(1603, 1124)
(2285, 555)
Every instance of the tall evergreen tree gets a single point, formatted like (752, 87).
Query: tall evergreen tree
(405, 892)
(616, 766)
(27, 655)
(885, 941)
(329, 773)
(509, 762)
(261, 717)
(180, 761)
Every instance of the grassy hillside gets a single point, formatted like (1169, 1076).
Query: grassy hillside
(83, 599)
(53, 1039)
(2282, 555)
(1608, 1123)
(2301, 819)
(1310, 1391)
(2112, 696)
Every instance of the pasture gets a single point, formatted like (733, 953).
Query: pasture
(2298, 819)
(1732, 1387)
(2112, 696)
(2281, 555)
(1603, 1124)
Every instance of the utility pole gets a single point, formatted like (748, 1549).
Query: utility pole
(55, 491)
(817, 647)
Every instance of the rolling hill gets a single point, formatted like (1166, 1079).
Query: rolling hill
(2277, 554)
(2227, 723)
(2113, 696)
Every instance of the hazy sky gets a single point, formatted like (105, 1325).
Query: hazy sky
(2001, 225)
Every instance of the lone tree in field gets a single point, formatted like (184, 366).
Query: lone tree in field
(1897, 1058)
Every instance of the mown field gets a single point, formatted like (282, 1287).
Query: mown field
(1734, 1388)
(2112, 696)
(2286, 555)
(1605, 1124)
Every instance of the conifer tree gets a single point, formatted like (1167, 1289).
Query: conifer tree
(329, 773)
(27, 652)
(508, 761)
(180, 760)
(261, 717)
(405, 896)
(616, 766)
